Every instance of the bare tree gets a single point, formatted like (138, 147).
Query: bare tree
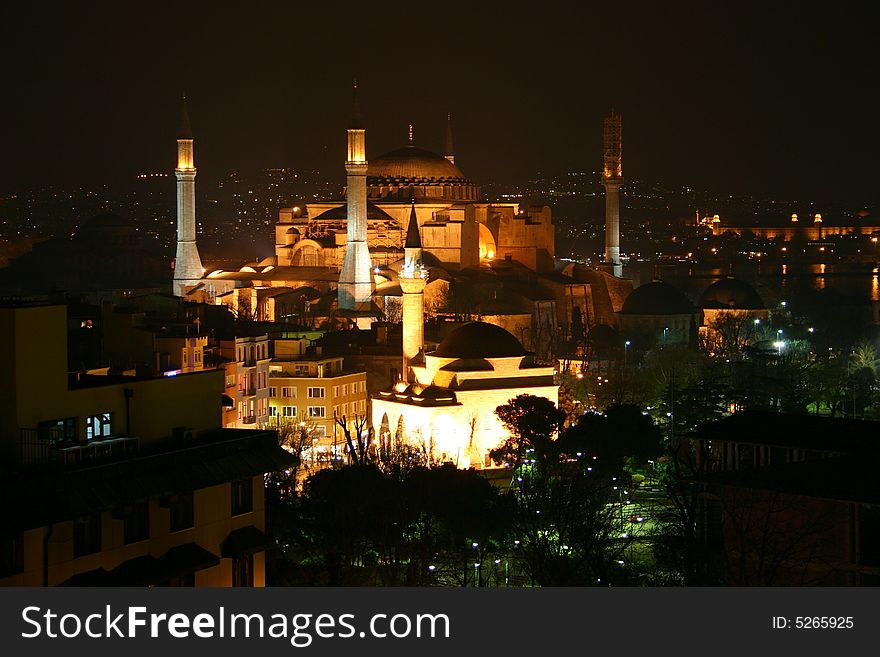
(358, 437)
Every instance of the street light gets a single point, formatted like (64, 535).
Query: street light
(665, 331)
(625, 346)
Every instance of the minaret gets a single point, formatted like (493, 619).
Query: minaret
(612, 179)
(356, 278)
(187, 264)
(449, 152)
(413, 278)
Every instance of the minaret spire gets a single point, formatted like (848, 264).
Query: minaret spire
(410, 134)
(612, 179)
(412, 247)
(450, 151)
(185, 130)
(412, 283)
(356, 277)
(187, 264)
(356, 121)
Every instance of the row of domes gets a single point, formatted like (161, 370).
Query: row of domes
(659, 298)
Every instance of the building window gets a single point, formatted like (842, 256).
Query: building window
(11, 554)
(86, 534)
(242, 496)
(98, 426)
(288, 391)
(317, 411)
(59, 431)
(288, 411)
(182, 511)
(316, 393)
(320, 431)
(273, 391)
(243, 571)
(137, 522)
(273, 410)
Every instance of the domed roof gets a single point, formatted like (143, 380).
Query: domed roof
(411, 162)
(731, 293)
(479, 340)
(603, 335)
(657, 298)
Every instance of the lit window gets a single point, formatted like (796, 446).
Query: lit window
(317, 411)
(98, 426)
(316, 393)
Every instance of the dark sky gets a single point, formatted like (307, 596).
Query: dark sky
(776, 98)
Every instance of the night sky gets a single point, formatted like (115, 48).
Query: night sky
(777, 99)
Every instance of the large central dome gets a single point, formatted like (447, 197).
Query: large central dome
(415, 173)
(413, 163)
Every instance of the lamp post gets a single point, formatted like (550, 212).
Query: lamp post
(665, 334)
(625, 347)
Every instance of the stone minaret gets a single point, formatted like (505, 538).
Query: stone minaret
(612, 179)
(449, 151)
(187, 264)
(356, 278)
(413, 278)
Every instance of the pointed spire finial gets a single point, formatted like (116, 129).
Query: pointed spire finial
(450, 151)
(410, 134)
(356, 122)
(185, 130)
(413, 238)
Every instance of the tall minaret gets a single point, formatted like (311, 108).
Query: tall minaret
(413, 278)
(187, 264)
(449, 152)
(356, 278)
(612, 179)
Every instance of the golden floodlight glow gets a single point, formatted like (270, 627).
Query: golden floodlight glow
(817, 219)
(794, 218)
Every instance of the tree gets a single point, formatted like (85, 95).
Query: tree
(533, 423)
(622, 432)
(358, 437)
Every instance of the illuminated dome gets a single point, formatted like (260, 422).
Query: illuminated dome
(657, 298)
(411, 162)
(480, 340)
(731, 293)
(413, 172)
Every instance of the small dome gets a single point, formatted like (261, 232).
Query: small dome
(411, 162)
(603, 335)
(657, 298)
(480, 340)
(731, 293)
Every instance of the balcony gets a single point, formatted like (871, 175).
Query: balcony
(250, 419)
(40, 447)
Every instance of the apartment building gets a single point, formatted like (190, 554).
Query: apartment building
(122, 480)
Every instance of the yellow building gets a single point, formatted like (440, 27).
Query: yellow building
(314, 390)
(246, 362)
(122, 479)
